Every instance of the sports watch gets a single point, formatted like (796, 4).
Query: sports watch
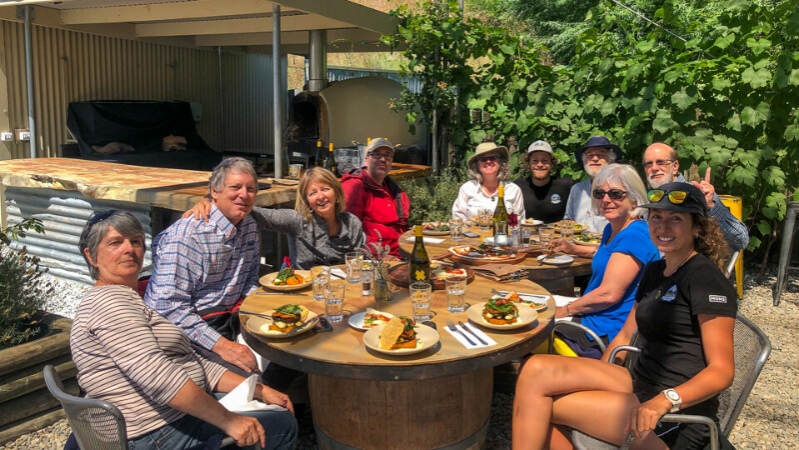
(674, 398)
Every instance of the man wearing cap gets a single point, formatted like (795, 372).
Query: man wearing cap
(488, 169)
(594, 155)
(661, 166)
(545, 195)
(375, 198)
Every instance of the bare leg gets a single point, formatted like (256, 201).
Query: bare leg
(545, 376)
(559, 440)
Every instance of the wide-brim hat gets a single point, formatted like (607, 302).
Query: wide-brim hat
(539, 146)
(489, 147)
(376, 143)
(599, 141)
(694, 201)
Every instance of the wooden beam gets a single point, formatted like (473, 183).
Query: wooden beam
(248, 25)
(336, 39)
(345, 11)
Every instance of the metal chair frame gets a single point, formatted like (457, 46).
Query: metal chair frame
(585, 329)
(749, 362)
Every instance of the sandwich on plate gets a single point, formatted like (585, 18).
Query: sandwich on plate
(500, 310)
(398, 333)
(288, 317)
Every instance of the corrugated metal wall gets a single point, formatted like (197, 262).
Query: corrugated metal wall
(64, 214)
(72, 66)
(345, 73)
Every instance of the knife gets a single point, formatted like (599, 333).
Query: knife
(279, 293)
(470, 331)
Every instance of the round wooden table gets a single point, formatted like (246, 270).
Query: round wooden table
(556, 279)
(439, 398)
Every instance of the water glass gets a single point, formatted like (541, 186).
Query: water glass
(455, 229)
(420, 299)
(456, 294)
(334, 300)
(484, 217)
(320, 276)
(295, 171)
(526, 233)
(354, 266)
(367, 275)
(545, 236)
(567, 230)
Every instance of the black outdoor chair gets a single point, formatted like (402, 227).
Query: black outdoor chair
(96, 424)
(752, 348)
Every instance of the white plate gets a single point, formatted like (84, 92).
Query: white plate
(587, 244)
(534, 223)
(536, 301)
(356, 320)
(488, 241)
(260, 326)
(526, 317)
(435, 233)
(266, 281)
(426, 337)
(557, 260)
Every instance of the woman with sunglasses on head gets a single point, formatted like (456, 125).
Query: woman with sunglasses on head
(684, 312)
(488, 169)
(617, 263)
(129, 355)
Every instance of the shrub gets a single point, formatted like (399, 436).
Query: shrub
(22, 290)
(432, 197)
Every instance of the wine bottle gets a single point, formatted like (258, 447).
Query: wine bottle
(419, 266)
(319, 159)
(330, 164)
(500, 219)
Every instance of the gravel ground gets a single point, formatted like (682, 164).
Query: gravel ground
(767, 422)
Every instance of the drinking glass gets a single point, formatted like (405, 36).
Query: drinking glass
(567, 230)
(484, 217)
(420, 299)
(455, 228)
(526, 233)
(354, 266)
(320, 276)
(545, 236)
(456, 294)
(334, 300)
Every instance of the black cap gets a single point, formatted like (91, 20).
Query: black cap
(694, 202)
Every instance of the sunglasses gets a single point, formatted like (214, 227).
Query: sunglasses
(614, 194)
(489, 158)
(658, 163)
(100, 216)
(675, 197)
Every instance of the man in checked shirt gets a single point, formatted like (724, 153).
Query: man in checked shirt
(208, 267)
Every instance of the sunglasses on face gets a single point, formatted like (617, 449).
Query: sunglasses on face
(613, 194)
(100, 216)
(675, 197)
(489, 158)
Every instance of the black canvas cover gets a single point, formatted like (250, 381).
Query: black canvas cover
(142, 125)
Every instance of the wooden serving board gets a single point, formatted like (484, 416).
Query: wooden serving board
(399, 276)
(520, 256)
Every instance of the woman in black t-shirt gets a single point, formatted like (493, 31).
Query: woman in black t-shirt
(685, 313)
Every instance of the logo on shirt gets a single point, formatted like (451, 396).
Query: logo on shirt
(718, 299)
(555, 198)
(670, 294)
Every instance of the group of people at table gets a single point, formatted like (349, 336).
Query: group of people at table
(161, 354)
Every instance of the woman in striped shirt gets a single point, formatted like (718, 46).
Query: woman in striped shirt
(129, 355)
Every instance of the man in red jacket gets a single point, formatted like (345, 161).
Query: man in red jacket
(377, 199)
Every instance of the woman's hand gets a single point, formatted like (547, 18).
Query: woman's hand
(200, 209)
(273, 397)
(644, 418)
(244, 430)
(562, 246)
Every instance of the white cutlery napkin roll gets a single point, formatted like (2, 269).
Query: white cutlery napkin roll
(242, 398)
(474, 329)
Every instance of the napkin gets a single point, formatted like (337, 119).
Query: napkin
(241, 398)
(427, 240)
(500, 272)
(260, 360)
(477, 331)
(336, 272)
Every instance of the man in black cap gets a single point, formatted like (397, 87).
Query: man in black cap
(595, 154)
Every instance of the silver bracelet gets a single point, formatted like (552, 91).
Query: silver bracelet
(567, 310)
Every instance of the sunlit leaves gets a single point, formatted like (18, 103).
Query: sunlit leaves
(758, 46)
(756, 78)
(755, 116)
(724, 41)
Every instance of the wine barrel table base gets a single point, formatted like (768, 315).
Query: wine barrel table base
(448, 412)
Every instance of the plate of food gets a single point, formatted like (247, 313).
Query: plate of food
(440, 271)
(536, 301)
(282, 322)
(555, 260)
(287, 279)
(530, 222)
(578, 227)
(501, 313)
(370, 319)
(485, 254)
(588, 239)
(439, 229)
(401, 336)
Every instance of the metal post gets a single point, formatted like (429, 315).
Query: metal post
(276, 91)
(29, 79)
(221, 98)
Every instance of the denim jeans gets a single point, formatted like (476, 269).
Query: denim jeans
(189, 432)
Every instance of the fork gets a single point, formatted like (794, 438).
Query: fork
(453, 328)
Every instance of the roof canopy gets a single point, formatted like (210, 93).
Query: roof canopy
(240, 24)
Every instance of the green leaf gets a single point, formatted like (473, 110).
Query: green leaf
(724, 41)
(754, 117)
(791, 133)
(681, 99)
(743, 175)
(758, 46)
(721, 84)
(793, 79)
(756, 78)
(663, 122)
(734, 123)
(792, 24)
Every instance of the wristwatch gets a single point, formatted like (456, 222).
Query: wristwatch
(674, 398)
